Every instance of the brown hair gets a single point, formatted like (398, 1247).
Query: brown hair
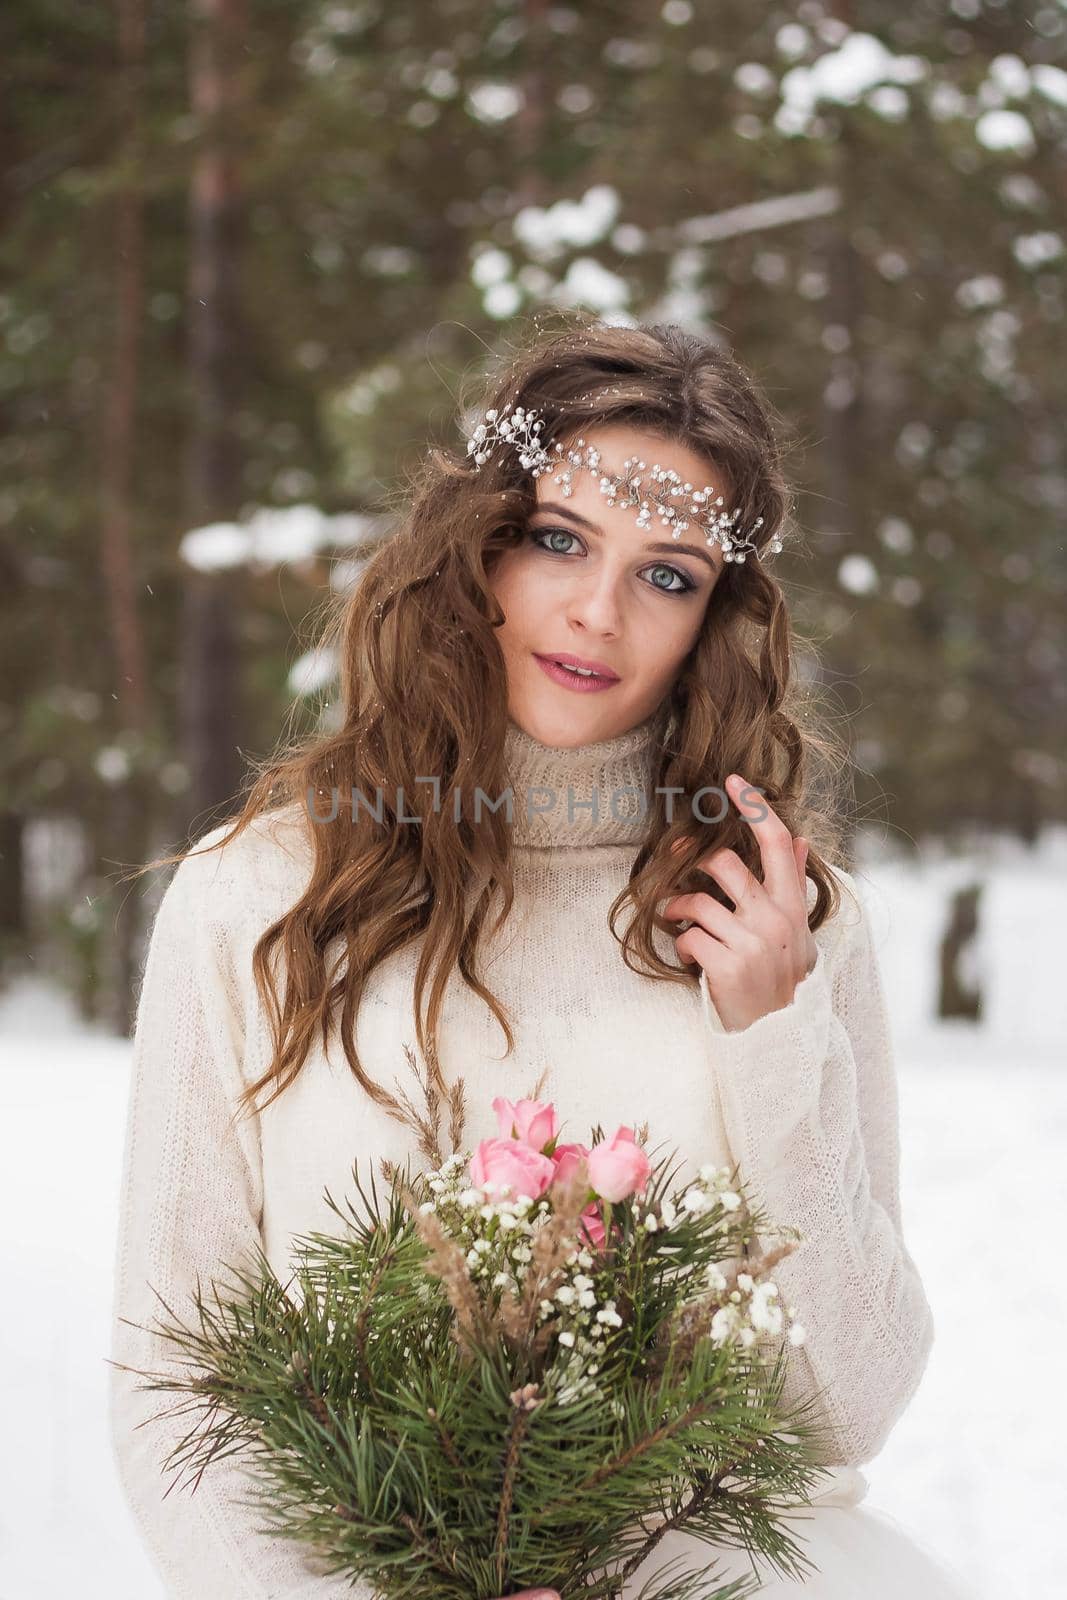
(424, 691)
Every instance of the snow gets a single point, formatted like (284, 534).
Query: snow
(1037, 249)
(1005, 130)
(494, 102)
(858, 574)
(501, 300)
(491, 266)
(272, 536)
(972, 1467)
(857, 66)
(587, 283)
(757, 215)
(545, 231)
(314, 671)
(1050, 81)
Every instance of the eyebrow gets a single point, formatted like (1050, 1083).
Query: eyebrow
(662, 547)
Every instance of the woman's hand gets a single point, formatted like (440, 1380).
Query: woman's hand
(755, 955)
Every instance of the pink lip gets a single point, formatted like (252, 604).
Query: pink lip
(570, 680)
(568, 660)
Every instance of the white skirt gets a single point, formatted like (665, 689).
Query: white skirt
(857, 1553)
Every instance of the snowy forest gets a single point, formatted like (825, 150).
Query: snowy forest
(250, 249)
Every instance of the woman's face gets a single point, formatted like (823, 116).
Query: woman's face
(587, 581)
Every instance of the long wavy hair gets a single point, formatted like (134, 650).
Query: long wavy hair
(423, 690)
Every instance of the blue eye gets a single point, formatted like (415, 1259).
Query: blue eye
(538, 534)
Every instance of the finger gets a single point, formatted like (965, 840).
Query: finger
(697, 947)
(735, 878)
(774, 841)
(731, 873)
(706, 913)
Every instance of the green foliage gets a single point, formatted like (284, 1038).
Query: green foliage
(389, 161)
(433, 1467)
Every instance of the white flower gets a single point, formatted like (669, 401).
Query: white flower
(797, 1333)
(669, 1213)
(587, 1298)
(502, 1280)
(763, 1314)
(730, 1200)
(428, 1205)
(695, 1201)
(580, 1281)
(468, 1197)
(565, 1295)
(437, 1184)
(747, 1337)
(722, 1324)
(473, 1258)
(744, 1280)
(567, 1339)
(651, 1223)
(507, 1222)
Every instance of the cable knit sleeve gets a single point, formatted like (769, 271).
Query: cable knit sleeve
(810, 1108)
(190, 1202)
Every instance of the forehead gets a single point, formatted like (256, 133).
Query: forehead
(616, 444)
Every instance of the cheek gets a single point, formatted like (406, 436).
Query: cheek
(666, 640)
(515, 590)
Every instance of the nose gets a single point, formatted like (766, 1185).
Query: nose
(594, 604)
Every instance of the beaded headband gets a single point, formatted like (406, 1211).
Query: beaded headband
(677, 505)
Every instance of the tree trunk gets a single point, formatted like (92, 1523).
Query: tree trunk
(210, 690)
(125, 821)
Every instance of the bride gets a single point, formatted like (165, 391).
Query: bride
(580, 613)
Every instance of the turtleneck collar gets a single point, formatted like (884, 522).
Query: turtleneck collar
(554, 786)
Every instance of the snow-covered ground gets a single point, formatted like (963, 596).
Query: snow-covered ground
(973, 1466)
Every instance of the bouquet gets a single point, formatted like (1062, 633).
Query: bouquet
(521, 1367)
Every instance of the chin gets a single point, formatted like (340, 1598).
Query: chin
(562, 728)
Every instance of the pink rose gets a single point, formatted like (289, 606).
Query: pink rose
(594, 1225)
(530, 1121)
(509, 1161)
(566, 1157)
(618, 1167)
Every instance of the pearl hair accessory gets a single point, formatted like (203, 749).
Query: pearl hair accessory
(521, 431)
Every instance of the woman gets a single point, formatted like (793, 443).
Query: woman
(375, 891)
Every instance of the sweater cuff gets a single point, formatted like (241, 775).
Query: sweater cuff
(788, 1045)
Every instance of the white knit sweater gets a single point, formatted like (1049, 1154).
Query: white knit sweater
(804, 1099)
